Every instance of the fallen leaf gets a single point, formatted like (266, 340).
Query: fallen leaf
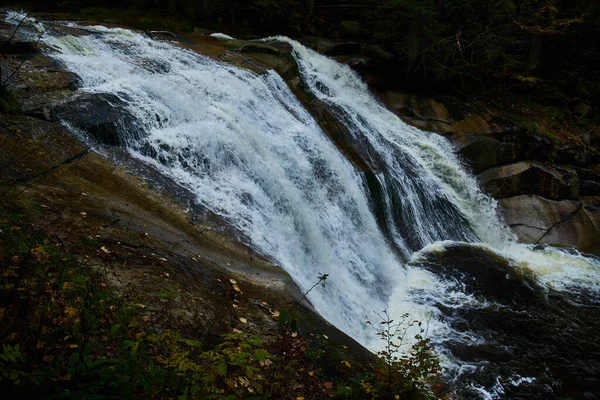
(83, 214)
(233, 281)
(162, 259)
(264, 303)
(347, 364)
(326, 337)
(105, 250)
(73, 346)
(328, 385)
(266, 363)
(243, 320)
(275, 314)
(235, 330)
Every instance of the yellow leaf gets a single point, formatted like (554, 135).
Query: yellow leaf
(39, 253)
(264, 303)
(299, 398)
(233, 281)
(347, 364)
(243, 320)
(73, 346)
(105, 250)
(311, 373)
(70, 311)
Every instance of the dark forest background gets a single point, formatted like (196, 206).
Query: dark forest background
(548, 46)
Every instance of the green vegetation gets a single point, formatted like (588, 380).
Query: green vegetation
(67, 332)
(8, 103)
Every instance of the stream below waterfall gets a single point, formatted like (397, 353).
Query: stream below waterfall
(508, 320)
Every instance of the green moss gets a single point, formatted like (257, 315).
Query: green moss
(8, 103)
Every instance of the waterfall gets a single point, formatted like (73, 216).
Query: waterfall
(430, 196)
(248, 150)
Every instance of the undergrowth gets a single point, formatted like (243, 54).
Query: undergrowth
(66, 333)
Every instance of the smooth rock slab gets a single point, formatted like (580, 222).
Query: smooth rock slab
(525, 177)
(537, 220)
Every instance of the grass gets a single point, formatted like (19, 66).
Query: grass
(8, 103)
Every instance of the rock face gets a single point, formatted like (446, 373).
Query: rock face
(538, 220)
(102, 116)
(548, 188)
(530, 178)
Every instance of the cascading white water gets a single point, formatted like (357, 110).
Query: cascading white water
(434, 172)
(424, 170)
(250, 152)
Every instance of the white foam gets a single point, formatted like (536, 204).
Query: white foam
(251, 153)
(220, 35)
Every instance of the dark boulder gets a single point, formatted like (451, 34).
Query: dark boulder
(501, 148)
(530, 178)
(103, 117)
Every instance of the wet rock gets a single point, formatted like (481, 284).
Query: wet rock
(18, 47)
(502, 148)
(538, 220)
(530, 178)
(517, 328)
(103, 117)
(38, 83)
(275, 48)
(590, 188)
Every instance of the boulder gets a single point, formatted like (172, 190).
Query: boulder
(352, 28)
(103, 117)
(567, 223)
(505, 146)
(525, 177)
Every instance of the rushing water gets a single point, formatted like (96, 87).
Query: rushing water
(249, 151)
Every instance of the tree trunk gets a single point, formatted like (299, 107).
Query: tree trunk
(309, 11)
(535, 60)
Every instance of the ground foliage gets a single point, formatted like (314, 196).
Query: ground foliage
(66, 332)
